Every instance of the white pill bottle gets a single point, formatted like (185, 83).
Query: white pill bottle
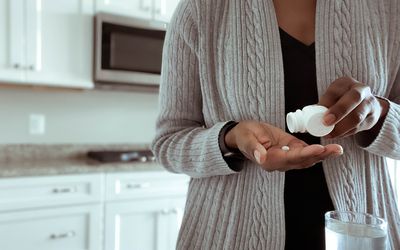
(309, 119)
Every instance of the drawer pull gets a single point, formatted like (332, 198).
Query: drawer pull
(64, 190)
(69, 234)
(165, 211)
(137, 185)
(169, 211)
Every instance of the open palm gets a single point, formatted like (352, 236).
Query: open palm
(262, 143)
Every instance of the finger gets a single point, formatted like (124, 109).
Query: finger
(346, 104)
(335, 90)
(368, 123)
(331, 150)
(301, 154)
(353, 120)
(253, 149)
(335, 149)
(349, 133)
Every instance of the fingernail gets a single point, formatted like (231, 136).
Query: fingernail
(340, 151)
(329, 119)
(257, 156)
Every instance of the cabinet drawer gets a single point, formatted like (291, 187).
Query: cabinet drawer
(141, 185)
(35, 192)
(71, 228)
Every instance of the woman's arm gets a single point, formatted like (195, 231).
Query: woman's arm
(354, 110)
(384, 139)
(182, 143)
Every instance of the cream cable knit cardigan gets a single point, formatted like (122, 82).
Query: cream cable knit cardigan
(222, 61)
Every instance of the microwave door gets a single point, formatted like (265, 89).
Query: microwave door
(128, 50)
(134, 52)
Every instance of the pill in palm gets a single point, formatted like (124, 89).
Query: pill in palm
(285, 148)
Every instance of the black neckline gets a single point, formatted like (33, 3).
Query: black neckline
(295, 40)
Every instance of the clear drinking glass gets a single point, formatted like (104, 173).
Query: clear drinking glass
(354, 231)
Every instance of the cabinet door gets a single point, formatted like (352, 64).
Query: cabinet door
(69, 228)
(59, 42)
(133, 8)
(175, 214)
(143, 224)
(164, 9)
(12, 54)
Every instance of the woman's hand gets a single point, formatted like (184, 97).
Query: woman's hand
(262, 143)
(352, 107)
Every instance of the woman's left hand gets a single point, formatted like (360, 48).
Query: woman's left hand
(352, 107)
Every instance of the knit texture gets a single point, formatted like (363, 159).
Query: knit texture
(222, 61)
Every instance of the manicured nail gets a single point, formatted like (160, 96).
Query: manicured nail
(340, 151)
(329, 119)
(257, 155)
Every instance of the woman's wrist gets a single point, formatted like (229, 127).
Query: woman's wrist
(384, 107)
(229, 137)
(226, 142)
(368, 136)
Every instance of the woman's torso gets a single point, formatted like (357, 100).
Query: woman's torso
(241, 77)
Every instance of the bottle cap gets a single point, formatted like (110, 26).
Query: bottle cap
(316, 127)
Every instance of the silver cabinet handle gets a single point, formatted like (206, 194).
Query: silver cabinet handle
(64, 190)
(31, 67)
(164, 211)
(138, 185)
(69, 234)
(17, 66)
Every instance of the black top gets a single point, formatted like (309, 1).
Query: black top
(306, 193)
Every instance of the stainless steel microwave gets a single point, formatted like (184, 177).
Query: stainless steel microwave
(127, 50)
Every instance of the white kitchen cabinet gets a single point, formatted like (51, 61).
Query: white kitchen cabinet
(61, 212)
(129, 186)
(144, 210)
(150, 224)
(158, 10)
(11, 41)
(47, 42)
(47, 191)
(67, 228)
(111, 211)
(134, 8)
(164, 9)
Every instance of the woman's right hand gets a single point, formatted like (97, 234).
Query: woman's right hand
(262, 143)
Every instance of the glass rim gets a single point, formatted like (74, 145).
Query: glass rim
(380, 222)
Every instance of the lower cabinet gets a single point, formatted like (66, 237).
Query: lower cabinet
(151, 224)
(113, 211)
(69, 228)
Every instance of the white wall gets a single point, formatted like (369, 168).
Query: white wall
(78, 117)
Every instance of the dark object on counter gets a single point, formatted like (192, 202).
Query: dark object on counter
(122, 156)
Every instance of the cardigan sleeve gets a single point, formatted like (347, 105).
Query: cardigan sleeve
(183, 144)
(387, 142)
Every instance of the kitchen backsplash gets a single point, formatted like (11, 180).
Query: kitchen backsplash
(78, 117)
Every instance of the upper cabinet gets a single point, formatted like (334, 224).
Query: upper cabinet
(164, 9)
(159, 10)
(134, 8)
(50, 43)
(46, 42)
(12, 56)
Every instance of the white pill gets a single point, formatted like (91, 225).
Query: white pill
(285, 148)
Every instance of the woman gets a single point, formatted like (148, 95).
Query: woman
(231, 71)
